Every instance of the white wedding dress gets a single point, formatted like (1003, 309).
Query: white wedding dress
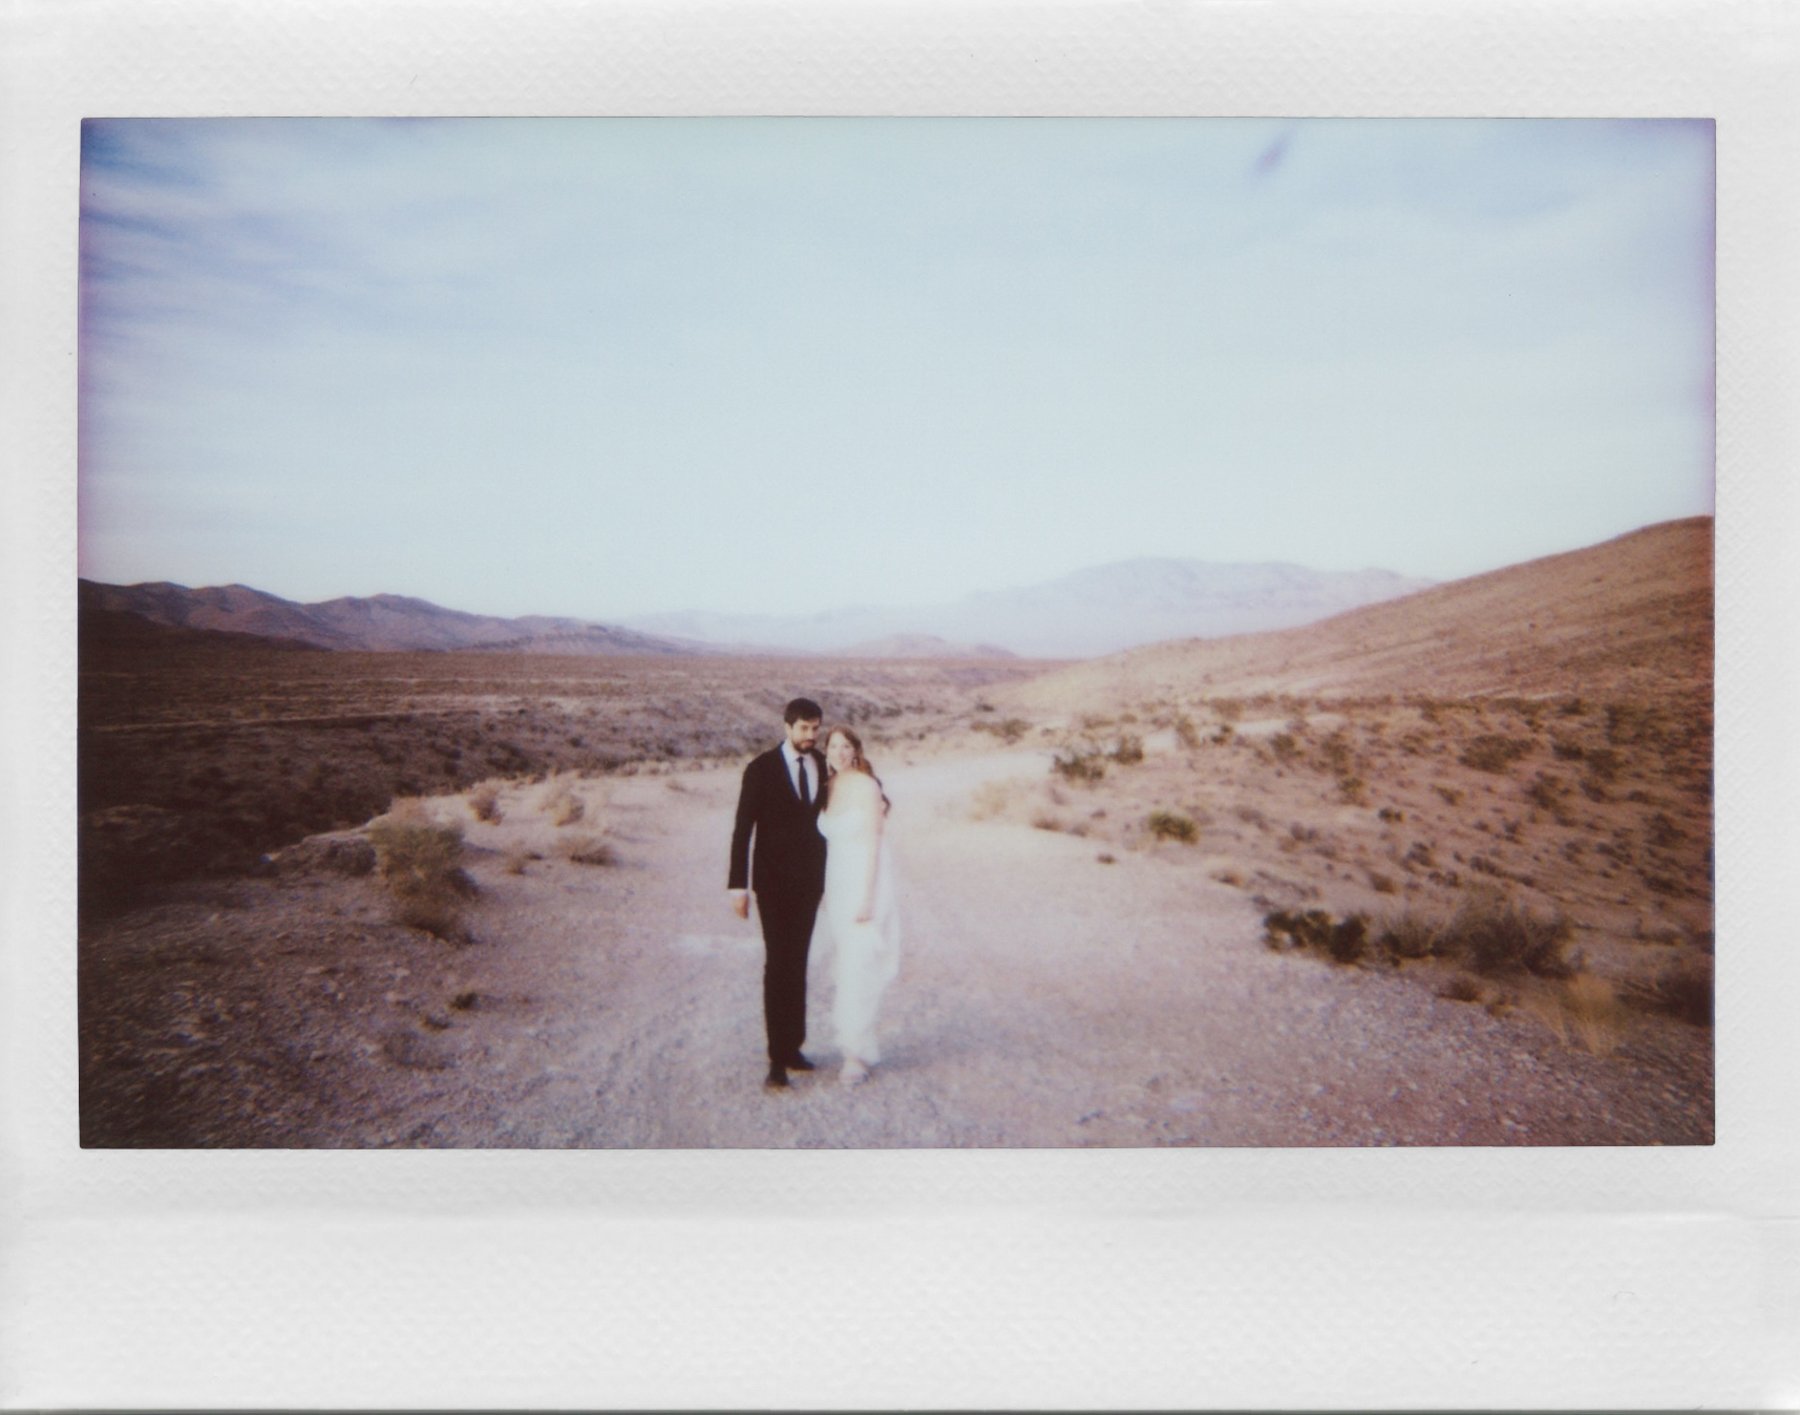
(865, 955)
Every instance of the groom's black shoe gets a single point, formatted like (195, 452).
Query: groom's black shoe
(797, 1062)
(777, 1078)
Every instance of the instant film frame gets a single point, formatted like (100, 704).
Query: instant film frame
(1334, 1278)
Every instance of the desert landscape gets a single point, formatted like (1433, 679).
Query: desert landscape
(1435, 871)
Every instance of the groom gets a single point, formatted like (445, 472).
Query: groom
(778, 804)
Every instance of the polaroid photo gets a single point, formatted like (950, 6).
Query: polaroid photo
(986, 705)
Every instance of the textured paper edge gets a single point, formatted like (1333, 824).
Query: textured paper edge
(1243, 1278)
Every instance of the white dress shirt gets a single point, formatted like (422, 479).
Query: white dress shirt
(792, 758)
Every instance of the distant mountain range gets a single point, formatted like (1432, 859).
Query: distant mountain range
(1091, 612)
(392, 623)
(1081, 615)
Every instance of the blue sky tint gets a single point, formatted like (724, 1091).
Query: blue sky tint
(602, 367)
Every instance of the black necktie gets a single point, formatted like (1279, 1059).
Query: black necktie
(805, 793)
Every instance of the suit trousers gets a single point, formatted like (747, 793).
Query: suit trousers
(787, 926)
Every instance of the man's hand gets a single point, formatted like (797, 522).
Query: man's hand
(740, 903)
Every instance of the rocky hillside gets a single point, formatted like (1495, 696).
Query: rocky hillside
(378, 623)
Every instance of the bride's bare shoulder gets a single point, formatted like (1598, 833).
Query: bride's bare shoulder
(854, 786)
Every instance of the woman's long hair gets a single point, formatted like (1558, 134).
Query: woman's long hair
(858, 763)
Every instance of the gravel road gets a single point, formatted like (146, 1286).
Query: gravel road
(1048, 998)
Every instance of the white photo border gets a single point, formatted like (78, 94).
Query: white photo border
(1198, 1278)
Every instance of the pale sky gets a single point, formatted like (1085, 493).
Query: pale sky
(602, 367)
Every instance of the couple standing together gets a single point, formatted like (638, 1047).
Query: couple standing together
(818, 823)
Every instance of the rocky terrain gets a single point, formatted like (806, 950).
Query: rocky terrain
(1434, 872)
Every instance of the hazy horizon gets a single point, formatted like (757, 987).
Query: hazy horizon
(605, 368)
(714, 610)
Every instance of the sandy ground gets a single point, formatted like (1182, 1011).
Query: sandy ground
(1048, 997)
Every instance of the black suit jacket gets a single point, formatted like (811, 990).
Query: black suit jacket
(789, 852)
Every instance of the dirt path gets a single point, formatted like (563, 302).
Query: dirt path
(1047, 998)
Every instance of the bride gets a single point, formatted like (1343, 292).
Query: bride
(859, 899)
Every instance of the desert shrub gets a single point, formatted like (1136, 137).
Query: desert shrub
(1251, 815)
(1628, 722)
(1683, 989)
(1128, 750)
(1662, 832)
(1382, 884)
(1602, 763)
(1341, 940)
(1348, 940)
(1461, 989)
(1546, 791)
(1227, 709)
(484, 801)
(1495, 936)
(1565, 750)
(1287, 929)
(1389, 816)
(1186, 733)
(1008, 730)
(1168, 825)
(1530, 710)
(1076, 765)
(421, 864)
(1335, 752)
(1493, 752)
(1285, 746)
(588, 850)
(563, 806)
(1409, 936)
(1353, 789)
(1451, 796)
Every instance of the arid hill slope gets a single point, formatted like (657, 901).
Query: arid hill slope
(1629, 617)
(377, 624)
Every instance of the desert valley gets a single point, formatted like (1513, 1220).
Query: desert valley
(1436, 870)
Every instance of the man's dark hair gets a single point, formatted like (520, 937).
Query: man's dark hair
(803, 710)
